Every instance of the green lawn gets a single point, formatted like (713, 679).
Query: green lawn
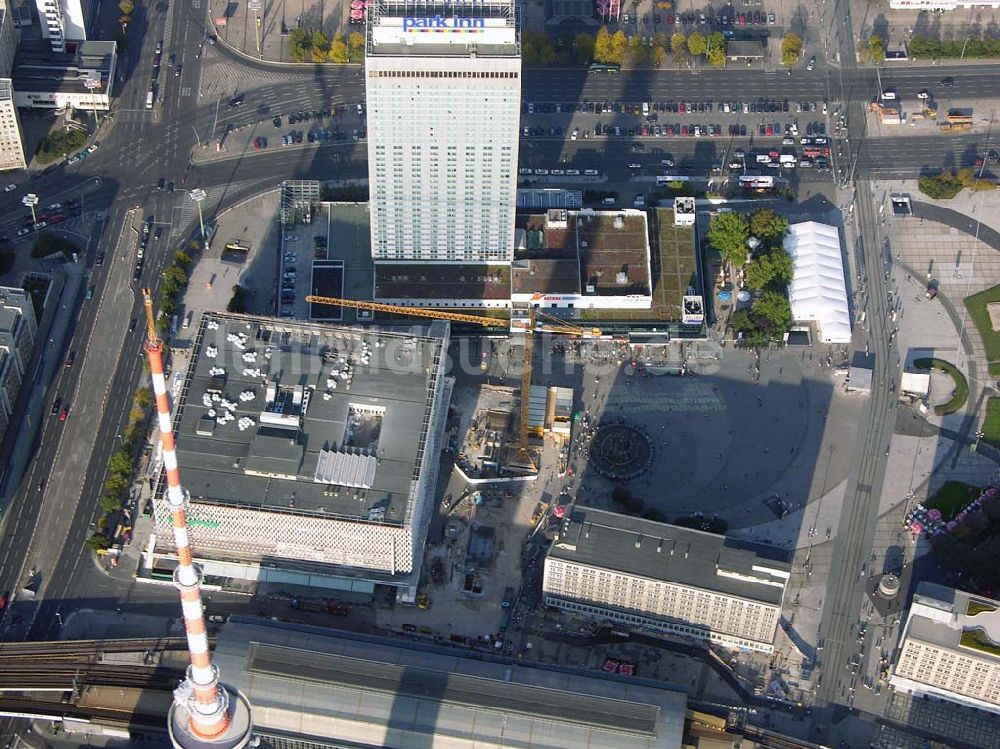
(991, 425)
(952, 497)
(976, 305)
(961, 394)
(978, 607)
(976, 639)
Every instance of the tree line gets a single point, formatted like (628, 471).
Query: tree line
(618, 49)
(306, 46)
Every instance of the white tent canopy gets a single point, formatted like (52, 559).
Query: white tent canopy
(818, 291)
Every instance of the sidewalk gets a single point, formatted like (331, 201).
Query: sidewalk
(47, 355)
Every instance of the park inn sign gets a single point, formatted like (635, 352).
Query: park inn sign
(440, 23)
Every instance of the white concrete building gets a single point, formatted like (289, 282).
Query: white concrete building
(950, 648)
(444, 94)
(310, 452)
(929, 5)
(80, 79)
(11, 150)
(18, 329)
(664, 578)
(61, 22)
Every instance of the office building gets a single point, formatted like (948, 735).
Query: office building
(18, 329)
(321, 688)
(310, 452)
(942, 5)
(443, 94)
(8, 40)
(61, 22)
(665, 579)
(950, 648)
(11, 149)
(80, 78)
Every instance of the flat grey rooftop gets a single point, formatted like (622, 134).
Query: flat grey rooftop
(375, 688)
(350, 451)
(659, 551)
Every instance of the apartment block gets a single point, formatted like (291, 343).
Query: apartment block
(950, 648)
(61, 22)
(666, 579)
(11, 149)
(18, 329)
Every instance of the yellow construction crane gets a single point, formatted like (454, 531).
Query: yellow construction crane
(521, 321)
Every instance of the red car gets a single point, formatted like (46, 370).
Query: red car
(64, 413)
(256, 145)
(770, 129)
(743, 19)
(70, 359)
(610, 665)
(58, 218)
(682, 108)
(3, 602)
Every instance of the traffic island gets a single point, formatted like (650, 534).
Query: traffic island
(959, 395)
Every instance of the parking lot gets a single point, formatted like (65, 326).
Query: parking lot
(336, 125)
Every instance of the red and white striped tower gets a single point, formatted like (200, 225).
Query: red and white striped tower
(202, 715)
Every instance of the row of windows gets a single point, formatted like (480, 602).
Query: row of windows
(440, 74)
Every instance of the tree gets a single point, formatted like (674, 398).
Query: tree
(636, 52)
(791, 48)
(940, 186)
(109, 502)
(772, 313)
(602, 45)
(142, 398)
(770, 270)
(658, 56)
(338, 50)
(717, 57)
(678, 47)
(969, 177)
(126, 7)
(619, 47)
(584, 46)
(356, 45)
(728, 233)
(716, 54)
(767, 225)
(237, 302)
(697, 44)
(120, 463)
(876, 49)
(655, 515)
(183, 260)
(98, 542)
(319, 45)
(298, 44)
(174, 279)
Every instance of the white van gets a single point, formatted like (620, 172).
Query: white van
(763, 158)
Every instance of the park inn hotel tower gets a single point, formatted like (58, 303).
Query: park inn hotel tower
(443, 94)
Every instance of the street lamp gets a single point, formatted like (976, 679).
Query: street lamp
(31, 200)
(198, 195)
(254, 5)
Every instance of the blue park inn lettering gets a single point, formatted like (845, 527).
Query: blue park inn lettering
(440, 22)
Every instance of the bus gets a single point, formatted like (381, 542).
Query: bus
(666, 179)
(598, 67)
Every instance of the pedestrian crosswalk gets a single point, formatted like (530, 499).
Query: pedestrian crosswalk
(693, 398)
(220, 76)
